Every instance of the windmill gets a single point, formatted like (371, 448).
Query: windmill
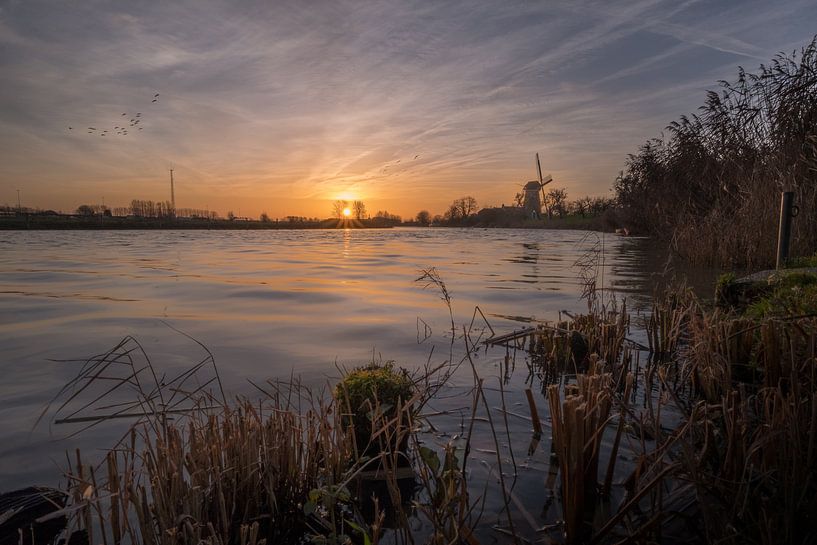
(532, 202)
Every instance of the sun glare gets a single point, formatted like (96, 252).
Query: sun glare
(347, 212)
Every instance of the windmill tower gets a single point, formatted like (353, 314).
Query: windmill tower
(532, 202)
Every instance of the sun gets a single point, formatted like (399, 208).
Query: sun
(347, 212)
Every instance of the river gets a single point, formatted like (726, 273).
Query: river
(269, 304)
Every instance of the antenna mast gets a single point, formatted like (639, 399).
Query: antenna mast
(172, 192)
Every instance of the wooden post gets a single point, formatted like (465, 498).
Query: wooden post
(787, 212)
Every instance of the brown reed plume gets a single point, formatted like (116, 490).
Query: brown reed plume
(711, 188)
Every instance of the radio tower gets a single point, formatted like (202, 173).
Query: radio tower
(172, 193)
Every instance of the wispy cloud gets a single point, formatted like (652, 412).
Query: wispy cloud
(281, 106)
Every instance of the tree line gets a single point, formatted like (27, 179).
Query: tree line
(146, 209)
(466, 211)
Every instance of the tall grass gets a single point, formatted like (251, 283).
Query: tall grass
(725, 439)
(290, 467)
(711, 187)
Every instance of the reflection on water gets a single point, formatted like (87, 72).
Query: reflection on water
(267, 304)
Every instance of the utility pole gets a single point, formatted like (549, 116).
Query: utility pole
(19, 208)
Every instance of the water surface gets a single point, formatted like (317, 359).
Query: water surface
(267, 304)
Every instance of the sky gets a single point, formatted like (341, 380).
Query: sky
(285, 106)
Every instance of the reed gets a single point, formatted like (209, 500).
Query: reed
(720, 436)
(294, 466)
(711, 188)
(578, 423)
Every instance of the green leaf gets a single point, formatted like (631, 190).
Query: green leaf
(366, 539)
(430, 459)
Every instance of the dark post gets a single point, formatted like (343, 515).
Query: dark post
(784, 231)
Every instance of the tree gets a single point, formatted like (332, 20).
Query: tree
(264, 217)
(453, 213)
(338, 207)
(230, 215)
(556, 200)
(423, 217)
(519, 199)
(358, 210)
(467, 206)
(85, 210)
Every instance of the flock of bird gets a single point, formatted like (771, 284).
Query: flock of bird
(122, 129)
(385, 169)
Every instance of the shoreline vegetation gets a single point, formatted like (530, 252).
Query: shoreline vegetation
(710, 188)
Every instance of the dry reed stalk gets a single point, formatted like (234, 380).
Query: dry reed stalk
(611, 464)
(578, 424)
(534, 413)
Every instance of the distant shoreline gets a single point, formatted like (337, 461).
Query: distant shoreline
(36, 222)
(46, 222)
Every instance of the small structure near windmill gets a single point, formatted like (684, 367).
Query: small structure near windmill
(532, 203)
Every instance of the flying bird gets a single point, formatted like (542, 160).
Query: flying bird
(70, 128)
(157, 94)
(416, 156)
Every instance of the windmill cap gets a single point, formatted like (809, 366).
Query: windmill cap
(532, 185)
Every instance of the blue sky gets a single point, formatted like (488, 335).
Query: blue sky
(284, 106)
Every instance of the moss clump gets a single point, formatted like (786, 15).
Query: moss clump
(725, 292)
(792, 294)
(371, 396)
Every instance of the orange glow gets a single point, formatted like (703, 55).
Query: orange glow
(347, 212)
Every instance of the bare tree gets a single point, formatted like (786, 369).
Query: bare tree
(358, 210)
(423, 217)
(338, 207)
(557, 200)
(467, 206)
(264, 217)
